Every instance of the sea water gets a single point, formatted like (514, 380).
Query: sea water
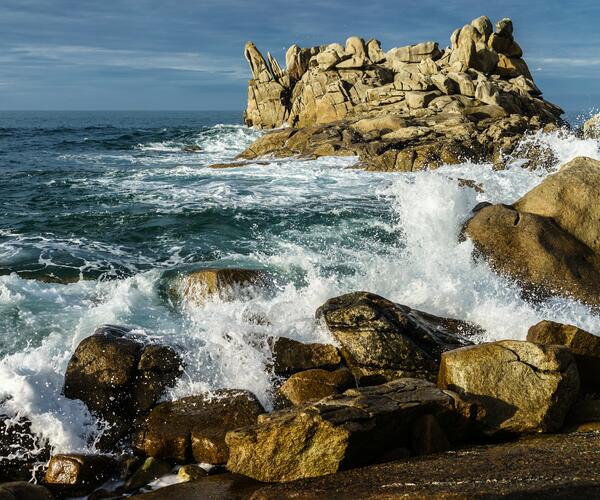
(97, 208)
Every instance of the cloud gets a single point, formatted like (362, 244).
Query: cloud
(131, 59)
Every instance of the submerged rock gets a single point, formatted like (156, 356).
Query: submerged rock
(193, 429)
(150, 470)
(549, 240)
(291, 356)
(341, 431)
(118, 377)
(522, 387)
(198, 286)
(381, 340)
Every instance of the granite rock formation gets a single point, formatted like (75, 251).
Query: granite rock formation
(409, 108)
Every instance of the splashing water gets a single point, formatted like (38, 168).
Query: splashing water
(126, 205)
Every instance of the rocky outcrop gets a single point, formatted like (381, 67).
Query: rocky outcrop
(584, 346)
(225, 284)
(77, 475)
(522, 387)
(291, 356)
(193, 429)
(381, 340)
(549, 240)
(409, 108)
(313, 385)
(541, 467)
(341, 431)
(591, 128)
(118, 377)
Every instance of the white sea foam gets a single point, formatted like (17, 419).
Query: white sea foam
(392, 234)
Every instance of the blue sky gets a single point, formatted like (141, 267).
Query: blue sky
(187, 54)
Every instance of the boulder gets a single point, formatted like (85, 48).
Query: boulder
(77, 475)
(291, 356)
(191, 472)
(521, 387)
(381, 340)
(591, 128)
(20, 449)
(193, 429)
(313, 385)
(117, 376)
(225, 284)
(549, 240)
(21, 490)
(414, 53)
(340, 431)
(584, 346)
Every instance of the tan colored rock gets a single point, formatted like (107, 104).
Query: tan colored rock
(225, 284)
(445, 84)
(414, 53)
(584, 346)
(168, 431)
(418, 100)
(512, 67)
(407, 133)
(382, 124)
(341, 431)
(522, 387)
(314, 385)
(191, 472)
(465, 83)
(374, 51)
(291, 356)
(356, 46)
(77, 474)
(591, 128)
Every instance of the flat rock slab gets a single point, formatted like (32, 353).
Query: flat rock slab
(544, 467)
(230, 486)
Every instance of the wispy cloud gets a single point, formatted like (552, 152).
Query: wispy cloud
(131, 59)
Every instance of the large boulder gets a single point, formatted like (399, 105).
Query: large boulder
(291, 356)
(341, 431)
(117, 376)
(585, 347)
(549, 240)
(520, 386)
(193, 429)
(381, 340)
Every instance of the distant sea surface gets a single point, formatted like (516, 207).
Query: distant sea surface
(98, 209)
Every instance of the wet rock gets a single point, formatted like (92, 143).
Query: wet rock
(313, 385)
(20, 449)
(192, 472)
(381, 340)
(226, 284)
(591, 128)
(21, 490)
(193, 429)
(118, 377)
(76, 474)
(229, 486)
(584, 346)
(522, 387)
(150, 470)
(339, 432)
(291, 356)
(542, 467)
(549, 240)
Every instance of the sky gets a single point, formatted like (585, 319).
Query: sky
(188, 54)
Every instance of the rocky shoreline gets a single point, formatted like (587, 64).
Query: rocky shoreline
(405, 403)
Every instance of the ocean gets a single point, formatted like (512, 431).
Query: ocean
(98, 209)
